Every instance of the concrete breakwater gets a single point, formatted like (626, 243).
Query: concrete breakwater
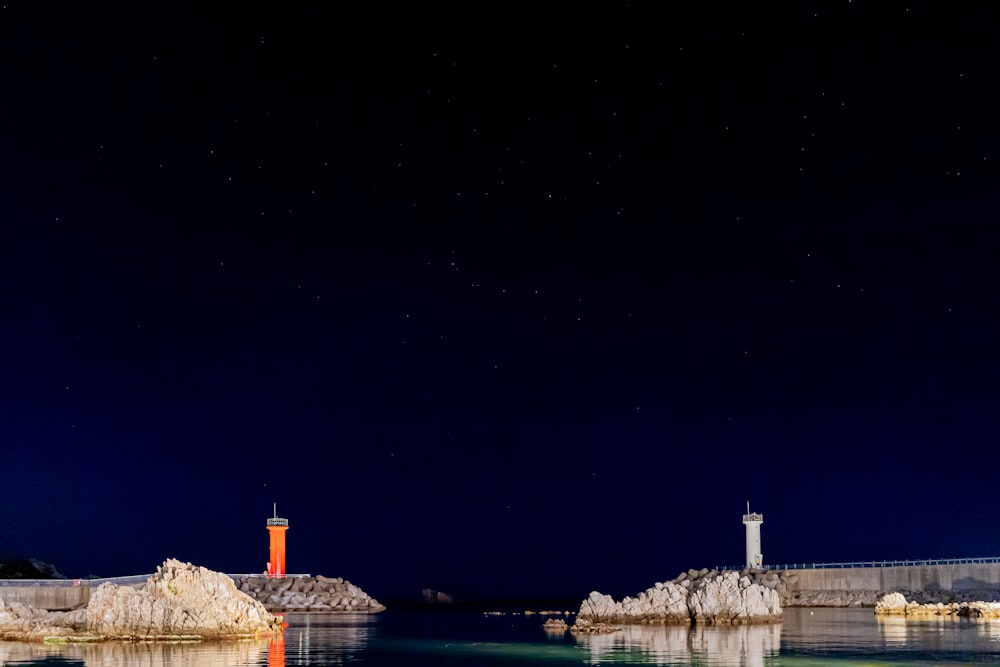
(52, 598)
(297, 593)
(862, 586)
(305, 593)
(955, 577)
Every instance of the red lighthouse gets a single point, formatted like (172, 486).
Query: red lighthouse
(277, 526)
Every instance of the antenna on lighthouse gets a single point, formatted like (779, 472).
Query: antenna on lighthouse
(276, 509)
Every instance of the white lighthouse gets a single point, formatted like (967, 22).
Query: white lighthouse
(752, 521)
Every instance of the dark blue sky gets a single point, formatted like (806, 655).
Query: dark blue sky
(503, 304)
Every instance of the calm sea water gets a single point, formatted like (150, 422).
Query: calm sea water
(449, 636)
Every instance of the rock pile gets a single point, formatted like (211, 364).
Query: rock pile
(729, 598)
(180, 599)
(781, 581)
(697, 596)
(317, 593)
(896, 604)
(555, 625)
(19, 621)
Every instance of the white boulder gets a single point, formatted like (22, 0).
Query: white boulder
(180, 599)
(892, 604)
(729, 598)
(701, 597)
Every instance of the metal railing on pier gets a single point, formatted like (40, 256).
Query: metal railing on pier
(867, 563)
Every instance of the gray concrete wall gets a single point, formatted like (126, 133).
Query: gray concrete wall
(53, 598)
(59, 594)
(949, 577)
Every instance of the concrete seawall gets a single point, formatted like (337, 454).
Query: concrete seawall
(59, 594)
(53, 598)
(947, 577)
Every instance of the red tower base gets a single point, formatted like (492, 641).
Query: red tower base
(276, 566)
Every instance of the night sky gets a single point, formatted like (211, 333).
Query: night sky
(496, 300)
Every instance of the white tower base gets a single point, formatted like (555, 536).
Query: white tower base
(752, 521)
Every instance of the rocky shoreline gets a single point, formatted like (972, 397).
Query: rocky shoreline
(696, 597)
(319, 593)
(896, 604)
(179, 602)
(185, 602)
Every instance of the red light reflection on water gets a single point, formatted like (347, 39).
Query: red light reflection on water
(276, 652)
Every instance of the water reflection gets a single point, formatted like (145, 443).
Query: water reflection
(330, 638)
(924, 641)
(467, 638)
(946, 632)
(731, 645)
(989, 630)
(276, 652)
(146, 654)
(740, 645)
(326, 638)
(893, 629)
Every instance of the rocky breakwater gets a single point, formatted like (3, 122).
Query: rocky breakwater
(781, 581)
(318, 593)
(180, 601)
(896, 604)
(701, 597)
